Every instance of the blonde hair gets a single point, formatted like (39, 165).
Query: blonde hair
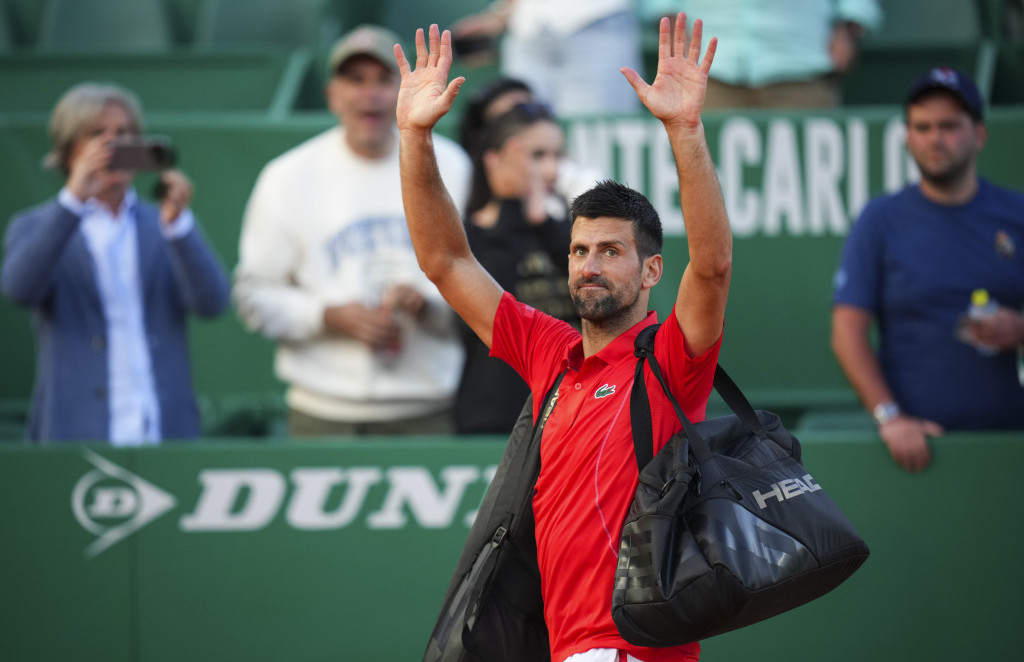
(77, 109)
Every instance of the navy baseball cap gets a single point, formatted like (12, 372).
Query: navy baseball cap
(952, 81)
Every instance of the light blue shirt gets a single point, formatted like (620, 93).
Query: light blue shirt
(769, 41)
(112, 241)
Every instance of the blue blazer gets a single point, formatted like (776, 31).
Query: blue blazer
(48, 268)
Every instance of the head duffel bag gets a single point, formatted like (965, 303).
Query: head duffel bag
(727, 527)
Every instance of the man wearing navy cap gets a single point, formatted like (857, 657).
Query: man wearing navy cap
(911, 264)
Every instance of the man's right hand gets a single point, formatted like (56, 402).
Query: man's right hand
(87, 171)
(375, 327)
(907, 440)
(426, 95)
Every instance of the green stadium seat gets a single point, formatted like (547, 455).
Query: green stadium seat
(261, 23)
(257, 81)
(259, 415)
(6, 34)
(1008, 82)
(911, 41)
(13, 420)
(298, 26)
(105, 26)
(847, 419)
(405, 17)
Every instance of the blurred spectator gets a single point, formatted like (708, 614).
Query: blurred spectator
(497, 97)
(777, 53)
(518, 229)
(569, 52)
(910, 265)
(326, 267)
(110, 280)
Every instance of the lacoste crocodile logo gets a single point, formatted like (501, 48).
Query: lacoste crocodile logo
(604, 391)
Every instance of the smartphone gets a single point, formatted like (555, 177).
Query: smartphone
(143, 153)
(473, 45)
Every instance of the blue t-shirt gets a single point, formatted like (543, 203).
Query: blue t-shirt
(913, 264)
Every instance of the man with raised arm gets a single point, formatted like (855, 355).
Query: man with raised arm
(588, 470)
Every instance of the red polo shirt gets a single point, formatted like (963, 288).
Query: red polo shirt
(588, 468)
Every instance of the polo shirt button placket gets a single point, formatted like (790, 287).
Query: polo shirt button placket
(578, 386)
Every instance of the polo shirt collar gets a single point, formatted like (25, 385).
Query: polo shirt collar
(619, 349)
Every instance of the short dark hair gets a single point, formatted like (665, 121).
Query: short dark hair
(611, 199)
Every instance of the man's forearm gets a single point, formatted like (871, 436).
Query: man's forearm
(700, 197)
(850, 345)
(434, 223)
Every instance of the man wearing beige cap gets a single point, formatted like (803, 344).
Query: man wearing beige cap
(327, 270)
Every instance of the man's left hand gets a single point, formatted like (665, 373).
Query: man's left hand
(177, 195)
(677, 94)
(1003, 331)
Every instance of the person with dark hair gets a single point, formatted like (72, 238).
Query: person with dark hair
(495, 99)
(911, 263)
(110, 280)
(518, 229)
(588, 469)
(492, 100)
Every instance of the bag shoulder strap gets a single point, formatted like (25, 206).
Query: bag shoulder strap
(505, 505)
(640, 408)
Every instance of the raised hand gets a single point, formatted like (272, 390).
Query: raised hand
(677, 94)
(88, 174)
(426, 95)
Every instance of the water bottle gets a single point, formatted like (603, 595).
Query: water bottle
(982, 307)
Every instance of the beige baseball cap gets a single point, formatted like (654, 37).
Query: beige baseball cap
(372, 40)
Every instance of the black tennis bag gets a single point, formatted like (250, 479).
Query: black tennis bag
(727, 528)
(493, 609)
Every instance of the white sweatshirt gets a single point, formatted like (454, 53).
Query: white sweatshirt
(325, 227)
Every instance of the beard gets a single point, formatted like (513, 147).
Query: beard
(601, 306)
(942, 177)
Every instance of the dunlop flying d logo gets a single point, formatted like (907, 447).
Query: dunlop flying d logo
(113, 503)
(604, 391)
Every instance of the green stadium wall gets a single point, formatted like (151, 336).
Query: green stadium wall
(341, 551)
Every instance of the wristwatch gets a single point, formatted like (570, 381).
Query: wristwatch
(885, 412)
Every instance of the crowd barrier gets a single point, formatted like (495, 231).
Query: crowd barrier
(313, 551)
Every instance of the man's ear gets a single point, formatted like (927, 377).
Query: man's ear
(653, 269)
(981, 136)
(329, 92)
